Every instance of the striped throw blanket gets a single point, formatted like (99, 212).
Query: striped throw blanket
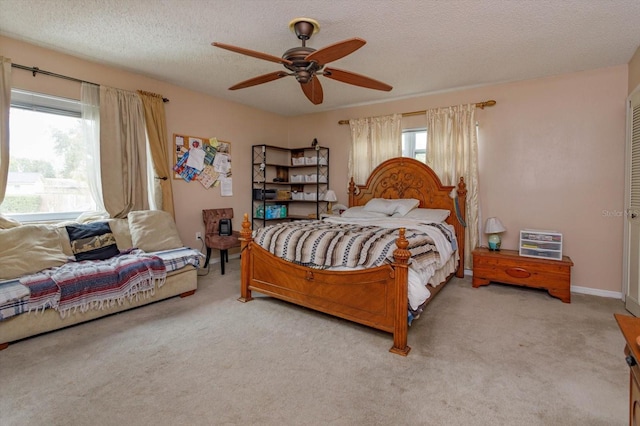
(178, 258)
(13, 298)
(80, 286)
(330, 244)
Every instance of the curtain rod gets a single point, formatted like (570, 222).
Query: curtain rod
(36, 70)
(480, 105)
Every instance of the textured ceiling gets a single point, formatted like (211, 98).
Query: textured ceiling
(418, 47)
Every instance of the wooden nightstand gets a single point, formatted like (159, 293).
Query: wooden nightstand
(508, 267)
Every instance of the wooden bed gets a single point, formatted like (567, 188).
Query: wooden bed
(375, 297)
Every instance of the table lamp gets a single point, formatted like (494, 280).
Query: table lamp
(494, 227)
(331, 197)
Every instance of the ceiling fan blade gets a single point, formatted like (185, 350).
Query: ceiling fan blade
(259, 80)
(355, 79)
(313, 90)
(335, 51)
(252, 53)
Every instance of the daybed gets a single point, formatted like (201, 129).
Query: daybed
(375, 295)
(149, 264)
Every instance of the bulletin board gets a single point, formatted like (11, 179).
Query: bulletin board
(205, 160)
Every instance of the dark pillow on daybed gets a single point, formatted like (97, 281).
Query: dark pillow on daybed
(92, 241)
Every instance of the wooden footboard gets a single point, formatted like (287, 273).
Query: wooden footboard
(374, 297)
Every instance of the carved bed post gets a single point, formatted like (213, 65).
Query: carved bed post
(245, 260)
(352, 192)
(401, 272)
(460, 229)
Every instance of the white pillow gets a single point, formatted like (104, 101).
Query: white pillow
(120, 230)
(153, 230)
(429, 215)
(389, 207)
(360, 212)
(28, 249)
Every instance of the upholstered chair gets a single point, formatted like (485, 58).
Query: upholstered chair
(212, 237)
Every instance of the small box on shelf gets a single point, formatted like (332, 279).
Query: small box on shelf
(264, 194)
(283, 194)
(275, 211)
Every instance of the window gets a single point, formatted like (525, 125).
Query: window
(414, 144)
(47, 166)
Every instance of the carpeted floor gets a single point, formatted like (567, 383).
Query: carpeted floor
(497, 355)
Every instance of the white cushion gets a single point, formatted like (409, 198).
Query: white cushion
(120, 229)
(153, 230)
(28, 249)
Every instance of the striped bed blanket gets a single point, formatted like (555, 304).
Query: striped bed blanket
(323, 244)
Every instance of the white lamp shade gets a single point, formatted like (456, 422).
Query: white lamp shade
(494, 226)
(331, 196)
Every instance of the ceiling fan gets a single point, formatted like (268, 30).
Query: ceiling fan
(306, 63)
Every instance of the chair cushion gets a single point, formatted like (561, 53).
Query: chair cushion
(222, 242)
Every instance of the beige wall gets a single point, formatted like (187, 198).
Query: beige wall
(551, 157)
(188, 112)
(634, 71)
(551, 150)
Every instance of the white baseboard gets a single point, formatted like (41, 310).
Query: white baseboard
(596, 292)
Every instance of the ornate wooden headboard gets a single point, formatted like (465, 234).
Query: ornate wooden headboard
(404, 177)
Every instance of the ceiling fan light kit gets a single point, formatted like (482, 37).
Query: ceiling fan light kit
(306, 63)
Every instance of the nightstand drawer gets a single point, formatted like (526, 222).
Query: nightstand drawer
(520, 270)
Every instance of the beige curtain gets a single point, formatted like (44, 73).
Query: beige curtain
(5, 106)
(452, 152)
(158, 145)
(122, 152)
(373, 140)
(90, 113)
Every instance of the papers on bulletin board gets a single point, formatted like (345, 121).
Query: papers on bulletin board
(183, 170)
(208, 176)
(221, 163)
(206, 160)
(196, 158)
(226, 187)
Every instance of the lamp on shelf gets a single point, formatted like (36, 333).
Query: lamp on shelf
(331, 197)
(494, 228)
